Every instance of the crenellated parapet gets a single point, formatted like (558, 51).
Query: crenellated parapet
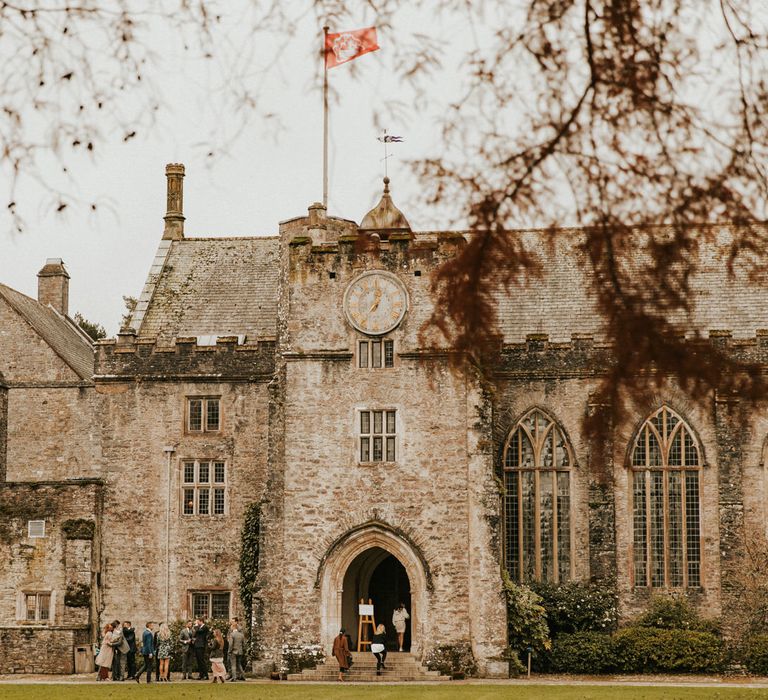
(583, 356)
(226, 358)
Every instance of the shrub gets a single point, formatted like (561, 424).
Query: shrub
(654, 650)
(452, 658)
(297, 657)
(527, 620)
(581, 652)
(754, 653)
(674, 613)
(578, 607)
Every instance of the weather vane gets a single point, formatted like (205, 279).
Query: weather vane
(385, 139)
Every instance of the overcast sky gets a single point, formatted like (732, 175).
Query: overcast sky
(245, 191)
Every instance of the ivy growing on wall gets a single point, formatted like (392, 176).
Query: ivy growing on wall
(79, 529)
(17, 508)
(249, 565)
(78, 595)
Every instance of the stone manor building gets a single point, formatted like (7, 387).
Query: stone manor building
(289, 372)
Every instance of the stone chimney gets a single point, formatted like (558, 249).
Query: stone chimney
(174, 215)
(53, 285)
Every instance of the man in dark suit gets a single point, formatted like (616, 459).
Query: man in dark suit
(129, 634)
(148, 652)
(201, 642)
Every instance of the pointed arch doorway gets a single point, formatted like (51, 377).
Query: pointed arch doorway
(377, 575)
(373, 562)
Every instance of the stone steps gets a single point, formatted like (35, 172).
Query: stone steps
(401, 666)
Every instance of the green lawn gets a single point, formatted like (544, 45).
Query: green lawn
(316, 692)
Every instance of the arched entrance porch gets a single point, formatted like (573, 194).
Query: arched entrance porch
(379, 576)
(374, 562)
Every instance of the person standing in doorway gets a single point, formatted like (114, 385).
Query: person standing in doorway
(129, 634)
(399, 618)
(341, 652)
(200, 644)
(378, 648)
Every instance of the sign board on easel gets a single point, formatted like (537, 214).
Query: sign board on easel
(365, 620)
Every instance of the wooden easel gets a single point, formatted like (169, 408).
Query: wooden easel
(362, 628)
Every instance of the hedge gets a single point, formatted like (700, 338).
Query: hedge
(755, 654)
(581, 652)
(652, 650)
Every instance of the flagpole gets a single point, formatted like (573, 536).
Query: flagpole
(325, 118)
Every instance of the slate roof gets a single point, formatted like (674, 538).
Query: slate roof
(211, 286)
(59, 332)
(561, 303)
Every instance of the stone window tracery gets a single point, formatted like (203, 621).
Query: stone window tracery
(375, 354)
(203, 414)
(207, 605)
(203, 487)
(378, 435)
(537, 463)
(37, 607)
(666, 522)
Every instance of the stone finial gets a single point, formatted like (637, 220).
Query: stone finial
(174, 215)
(53, 285)
(385, 217)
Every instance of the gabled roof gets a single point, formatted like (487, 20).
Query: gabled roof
(61, 333)
(212, 287)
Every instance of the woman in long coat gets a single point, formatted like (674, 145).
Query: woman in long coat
(106, 654)
(341, 652)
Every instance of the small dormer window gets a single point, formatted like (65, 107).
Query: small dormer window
(36, 529)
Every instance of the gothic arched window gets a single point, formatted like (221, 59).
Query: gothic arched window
(537, 502)
(665, 463)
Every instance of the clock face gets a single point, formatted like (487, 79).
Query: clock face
(375, 302)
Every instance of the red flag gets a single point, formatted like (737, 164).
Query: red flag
(347, 46)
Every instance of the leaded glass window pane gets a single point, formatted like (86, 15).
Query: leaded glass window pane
(220, 606)
(44, 606)
(640, 529)
(546, 516)
(389, 353)
(195, 414)
(212, 414)
(218, 472)
(189, 472)
(376, 354)
(378, 428)
(563, 525)
(365, 422)
(528, 498)
(537, 517)
(377, 448)
(666, 522)
(200, 605)
(218, 501)
(203, 499)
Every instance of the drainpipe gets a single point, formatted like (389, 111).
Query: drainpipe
(169, 454)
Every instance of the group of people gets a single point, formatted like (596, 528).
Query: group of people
(117, 655)
(341, 647)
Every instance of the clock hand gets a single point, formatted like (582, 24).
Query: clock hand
(376, 301)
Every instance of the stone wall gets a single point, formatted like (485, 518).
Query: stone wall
(64, 563)
(36, 650)
(53, 433)
(438, 500)
(156, 555)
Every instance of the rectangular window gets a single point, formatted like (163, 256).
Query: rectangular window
(203, 414)
(37, 607)
(376, 354)
(203, 488)
(378, 436)
(389, 353)
(208, 605)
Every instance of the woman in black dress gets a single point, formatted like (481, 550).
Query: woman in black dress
(378, 648)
